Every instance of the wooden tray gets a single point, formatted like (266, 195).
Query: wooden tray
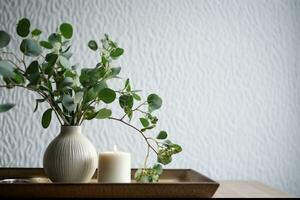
(173, 183)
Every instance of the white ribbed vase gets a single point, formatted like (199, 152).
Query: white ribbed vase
(70, 157)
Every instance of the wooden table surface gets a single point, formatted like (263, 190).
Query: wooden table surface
(250, 189)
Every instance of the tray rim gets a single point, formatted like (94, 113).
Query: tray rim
(208, 182)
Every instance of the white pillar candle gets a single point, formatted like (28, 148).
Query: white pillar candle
(114, 167)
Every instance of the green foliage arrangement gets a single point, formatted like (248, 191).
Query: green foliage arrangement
(73, 97)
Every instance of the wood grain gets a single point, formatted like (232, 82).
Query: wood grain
(248, 189)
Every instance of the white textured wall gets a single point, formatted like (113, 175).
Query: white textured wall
(228, 72)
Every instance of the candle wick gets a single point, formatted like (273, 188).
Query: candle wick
(115, 148)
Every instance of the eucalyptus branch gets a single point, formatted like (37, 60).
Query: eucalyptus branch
(154, 140)
(16, 65)
(146, 158)
(81, 118)
(10, 53)
(145, 138)
(57, 110)
(9, 60)
(135, 109)
(123, 116)
(23, 61)
(42, 94)
(141, 111)
(53, 107)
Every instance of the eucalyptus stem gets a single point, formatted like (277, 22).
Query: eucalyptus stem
(23, 61)
(154, 140)
(10, 53)
(137, 108)
(52, 105)
(123, 116)
(116, 119)
(141, 111)
(12, 62)
(55, 111)
(146, 158)
(16, 65)
(81, 118)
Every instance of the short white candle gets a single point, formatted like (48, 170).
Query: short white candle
(114, 167)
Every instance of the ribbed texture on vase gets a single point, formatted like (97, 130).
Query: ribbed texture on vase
(70, 157)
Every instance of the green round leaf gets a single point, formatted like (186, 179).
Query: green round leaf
(115, 71)
(46, 119)
(51, 58)
(144, 122)
(116, 52)
(68, 103)
(18, 77)
(70, 73)
(90, 114)
(104, 113)
(36, 32)
(30, 48)
(6, 107)
(158, 168)
(164, 159)
(23, 27)
(107, 95)
(154, 102)
(34, 78)
(126, 101)
(129, 112)
(136, 96)
(138, 173)
(54, 38)
(93, 45)
(127, 85)
(67, 82)
(4, 39)
(33, 67)
(168, 143)
(100, 86)
(162, 135)
(6, 69)
(90, 95)
(66, 30)
(176, 148)
(64, 62)
(78, 97)
(46, 44)
(147, 128)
